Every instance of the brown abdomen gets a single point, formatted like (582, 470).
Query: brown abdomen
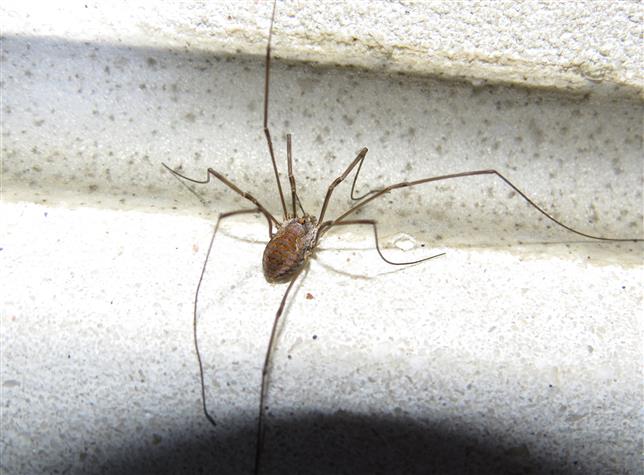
(286, 252)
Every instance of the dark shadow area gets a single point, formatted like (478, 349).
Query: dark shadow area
(338, 444)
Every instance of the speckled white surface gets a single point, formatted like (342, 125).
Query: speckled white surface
(492, 358)
(93, 123)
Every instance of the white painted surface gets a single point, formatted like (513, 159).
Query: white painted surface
(580, 46)
(495, 356)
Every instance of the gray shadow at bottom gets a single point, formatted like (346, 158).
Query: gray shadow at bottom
(336, 444)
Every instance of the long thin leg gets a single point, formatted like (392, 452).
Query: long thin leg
(230, 185)
(189, 188)
(339, 180)
(194, 314)
(265, 369)
(267, 132)
(353, 185)
(377, 193)
(291, 177)
(372, 222)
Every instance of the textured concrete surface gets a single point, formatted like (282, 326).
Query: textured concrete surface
(93, 123)
(519, 350)
(581, 46)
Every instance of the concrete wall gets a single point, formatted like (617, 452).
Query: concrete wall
(518, 349)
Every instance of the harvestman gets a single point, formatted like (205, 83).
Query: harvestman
(296, 238)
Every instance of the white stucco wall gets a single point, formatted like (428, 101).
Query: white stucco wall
(519, 348)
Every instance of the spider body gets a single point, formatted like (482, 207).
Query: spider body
(289, 249)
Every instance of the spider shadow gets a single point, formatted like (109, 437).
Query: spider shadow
(356, 276)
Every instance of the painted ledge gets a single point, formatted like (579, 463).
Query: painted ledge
(578, 47)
